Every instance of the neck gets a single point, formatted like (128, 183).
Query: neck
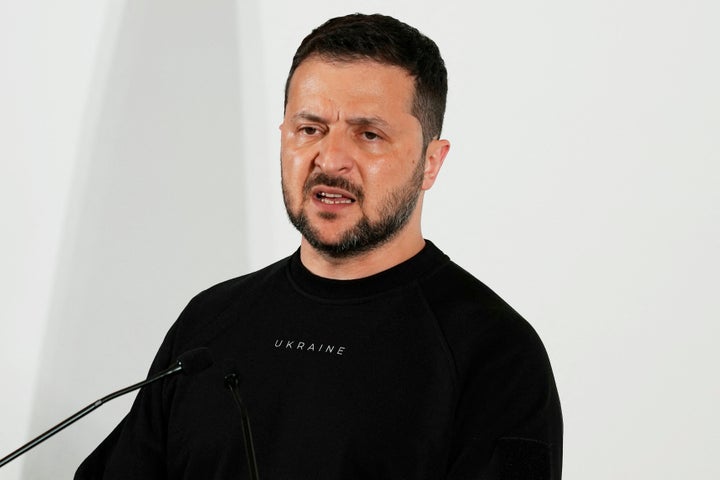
(399, 249)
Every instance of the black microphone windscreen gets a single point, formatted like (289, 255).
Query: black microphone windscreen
(195, 361)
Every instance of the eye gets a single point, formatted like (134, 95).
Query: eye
(309, 130)
(370, 136)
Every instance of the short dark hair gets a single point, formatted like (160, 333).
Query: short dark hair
(388, 41)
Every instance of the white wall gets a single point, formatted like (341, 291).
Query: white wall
(46, 63)
(140, 164)
(137, 106)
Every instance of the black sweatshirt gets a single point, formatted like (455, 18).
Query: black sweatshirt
(418, 372)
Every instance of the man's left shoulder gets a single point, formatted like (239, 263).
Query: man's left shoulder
(454, 290)
(471, 314)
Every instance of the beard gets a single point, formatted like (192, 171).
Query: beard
(394, 213)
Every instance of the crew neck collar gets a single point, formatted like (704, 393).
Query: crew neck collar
(425, 261)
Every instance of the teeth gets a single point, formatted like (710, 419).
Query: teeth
(332, 202)
(333, 198)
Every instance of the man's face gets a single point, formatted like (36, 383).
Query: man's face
(351, 151)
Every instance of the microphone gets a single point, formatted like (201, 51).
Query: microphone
(191, 362)
(232, 383)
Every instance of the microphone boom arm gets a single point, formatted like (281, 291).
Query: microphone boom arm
(177, 367)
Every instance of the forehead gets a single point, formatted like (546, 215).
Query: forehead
(364, 84)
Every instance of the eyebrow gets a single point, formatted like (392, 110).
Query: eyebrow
(367, 121)
(309, 116)
(356, 121)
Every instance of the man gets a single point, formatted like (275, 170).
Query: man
(367, 353)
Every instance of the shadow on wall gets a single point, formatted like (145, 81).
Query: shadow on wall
(154, 214)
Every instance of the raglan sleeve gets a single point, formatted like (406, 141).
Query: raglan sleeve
(509, 424)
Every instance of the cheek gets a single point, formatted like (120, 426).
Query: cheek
(294, 172)
(388, 173)
(294, 156)
(288, 160)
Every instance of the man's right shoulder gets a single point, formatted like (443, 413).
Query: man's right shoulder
(229, 289)
(214, 309)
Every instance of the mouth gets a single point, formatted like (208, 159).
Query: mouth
(333, 198)
(334, 193)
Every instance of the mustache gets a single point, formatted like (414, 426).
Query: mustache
(337, 182)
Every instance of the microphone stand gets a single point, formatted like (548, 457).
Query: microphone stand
(177, 367)
(232, 382)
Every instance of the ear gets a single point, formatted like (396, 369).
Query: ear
(435, 155)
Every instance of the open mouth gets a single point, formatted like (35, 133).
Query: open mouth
(333, 198)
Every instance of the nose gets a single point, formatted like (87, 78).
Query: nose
(335, 154)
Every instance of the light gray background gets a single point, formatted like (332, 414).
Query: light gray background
(139, 165)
